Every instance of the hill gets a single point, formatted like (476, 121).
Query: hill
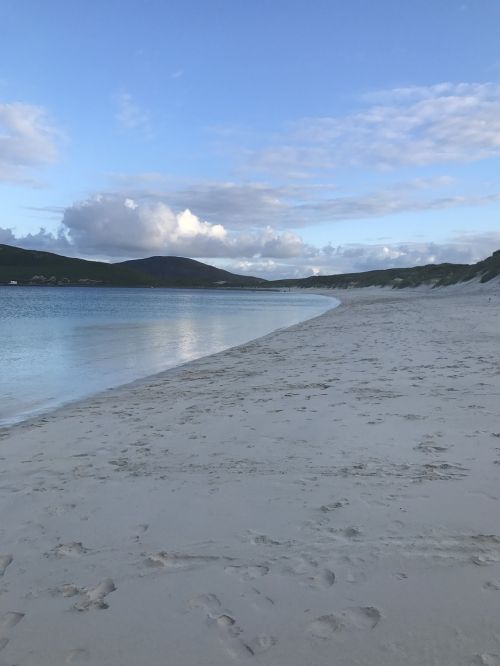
(34, 266)
(47, 268)
(37, 267)
(436, 275)
(179, 270)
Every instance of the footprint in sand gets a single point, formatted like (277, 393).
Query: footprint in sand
(265, 540)
(350, 619)
(310, 573)
(94, 597)
(208, 602)
(66, 590)
(486, 660)
(74, 548)
(230, 634)
(177, 561)
(10, 619)
(323, 578)
(78, 656)
(334, 506)
(262, 643)
(5, 560)
(248, 572)
(261, 601)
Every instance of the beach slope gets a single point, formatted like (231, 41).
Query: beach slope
(328, 494)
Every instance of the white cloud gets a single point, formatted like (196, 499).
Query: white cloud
(411, 126)
(42, 240)
(27, 140)
(118, 226)
(353, 258)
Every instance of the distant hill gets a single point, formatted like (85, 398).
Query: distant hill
(179, 270)
(36, 267)
(436, 275)
(47, 268)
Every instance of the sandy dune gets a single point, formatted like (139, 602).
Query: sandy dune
(326, 495)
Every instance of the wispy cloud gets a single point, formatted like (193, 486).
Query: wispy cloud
(27, 140)
(413, 126)
(130, 116)
(255, 205)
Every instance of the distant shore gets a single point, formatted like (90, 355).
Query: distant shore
(327, 493)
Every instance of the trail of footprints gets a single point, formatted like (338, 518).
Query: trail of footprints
(239, 643)
(10, 619)
(88, 598)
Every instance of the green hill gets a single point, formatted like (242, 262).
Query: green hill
(179, 270)
(46, 268)
(436, 275)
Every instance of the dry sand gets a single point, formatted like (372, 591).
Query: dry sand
(326, 495)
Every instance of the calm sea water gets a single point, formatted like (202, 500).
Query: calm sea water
(58, 345)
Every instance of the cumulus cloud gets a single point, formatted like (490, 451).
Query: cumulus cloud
(357, 257)
(42, 240)
(411, 126)
(121, 226)
(27, 140)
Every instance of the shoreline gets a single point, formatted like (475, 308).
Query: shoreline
(328, 489)
(29, 416)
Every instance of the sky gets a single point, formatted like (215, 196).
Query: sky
(278, 138)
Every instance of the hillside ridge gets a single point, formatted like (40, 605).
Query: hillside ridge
(38, 267)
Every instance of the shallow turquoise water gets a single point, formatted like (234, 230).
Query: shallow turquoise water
(61, 344)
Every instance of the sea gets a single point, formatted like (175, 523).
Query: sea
(58, 345)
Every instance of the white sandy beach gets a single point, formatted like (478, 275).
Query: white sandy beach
(328, 495)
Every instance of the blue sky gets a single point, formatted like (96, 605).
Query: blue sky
(273, 137)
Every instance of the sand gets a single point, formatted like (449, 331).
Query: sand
(326, 495)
